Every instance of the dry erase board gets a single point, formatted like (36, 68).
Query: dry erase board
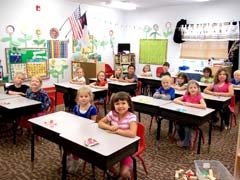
(30, 61)
(153, 51)
(204, 49)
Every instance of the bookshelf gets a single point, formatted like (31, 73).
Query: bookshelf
(123, 60)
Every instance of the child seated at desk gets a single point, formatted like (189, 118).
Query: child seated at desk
(18, 88)
(207, 75)
(165, 72)
(121, 120)
(236, 79)
(221, 87)
(130, 77)
(35, 92)
(117, 74)
(79, 79)
(181, 82)
(146, 71)
(192, 98)
(69, 99)
(165, 91)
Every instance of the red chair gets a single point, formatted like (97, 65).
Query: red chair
(159, 70)
(233, 118)
(108, 71)
(141, 145)
(139, 88)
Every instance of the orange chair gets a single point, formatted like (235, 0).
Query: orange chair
(108, 71)
(159, 70)
(142, 145)
(233, 118)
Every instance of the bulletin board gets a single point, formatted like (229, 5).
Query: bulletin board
(153, 51)
(204, 49)
(31, 61)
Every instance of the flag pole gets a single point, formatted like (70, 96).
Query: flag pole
(68, 33)
(63, 24)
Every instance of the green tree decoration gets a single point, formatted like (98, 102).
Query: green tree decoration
(39, 41)
(57, 68)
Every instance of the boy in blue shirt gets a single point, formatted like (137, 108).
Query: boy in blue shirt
(236, 80)
(165, 91)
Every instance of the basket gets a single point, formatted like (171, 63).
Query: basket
(219, 171)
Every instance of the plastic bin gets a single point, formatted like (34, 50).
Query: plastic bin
(219, 171)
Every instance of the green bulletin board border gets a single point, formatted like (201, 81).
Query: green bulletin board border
(153, 51)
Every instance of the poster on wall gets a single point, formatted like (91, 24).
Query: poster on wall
(30, 61)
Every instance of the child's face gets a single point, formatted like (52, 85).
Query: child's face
(222, 76)
(35, 84)
(118, 71)
(101, 77)
(79, 73)
(166, 84)
(165, 68)
(131, 70)
(193, 89)
(19, 79)
(206, 74)
(146, 69)
(237, 77)
(121, 107)
(180, 80)
(83, 98)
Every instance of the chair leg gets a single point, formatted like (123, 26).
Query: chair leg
(143, 164)
(193, 143)
(233, 120)
(150, 126)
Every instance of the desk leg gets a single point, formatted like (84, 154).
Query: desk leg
(139, 116)
(221, 126)
(159, 121)
(199, 140)
(210, 133)
(64, 164)
(32, 146)
(105, 106)
(134, 168)
(14, 128)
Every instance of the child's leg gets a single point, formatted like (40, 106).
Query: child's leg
(125, 167)
(180, 131)
(187, 138)
(225, 115)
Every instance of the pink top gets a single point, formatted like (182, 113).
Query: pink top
(112, 116)
(192, 99)
(223, 88)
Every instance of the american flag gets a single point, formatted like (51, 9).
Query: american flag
(75, 22)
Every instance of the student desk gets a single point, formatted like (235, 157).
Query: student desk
(151, 106)
(103, 155)
(7, 96)
(51, 125)
(67, 87)
(190, 116)
(153, 82)
(214, 102)
(14, 107)
(116, 86)
(70, 131)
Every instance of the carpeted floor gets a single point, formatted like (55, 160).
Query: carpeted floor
(161, 162)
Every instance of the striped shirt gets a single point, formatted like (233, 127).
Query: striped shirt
(113, 118)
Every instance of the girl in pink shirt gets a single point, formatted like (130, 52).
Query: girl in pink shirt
(192, 98)
(121, 120)
(221, 87)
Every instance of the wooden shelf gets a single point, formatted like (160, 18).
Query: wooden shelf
(122, 60)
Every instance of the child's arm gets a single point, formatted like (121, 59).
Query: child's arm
(94, 117)
(131, 132)
(93, 84)
(104, 124)
(179, 100)
(202, 104)
(102, 87)
(157, 95)
(113, 78)
(208, 89)
(16, 93)
(81, 82)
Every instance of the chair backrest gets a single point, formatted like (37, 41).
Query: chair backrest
(232, 104)
(108, 71)
(51, 108)
(139, 88)
(141, 134)
(159, 70)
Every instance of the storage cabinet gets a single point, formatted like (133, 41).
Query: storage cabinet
(90, 68)
(123, 60)
(237, 158)
(216, 68)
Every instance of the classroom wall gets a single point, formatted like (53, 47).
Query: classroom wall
(208, 12)
(125, 26)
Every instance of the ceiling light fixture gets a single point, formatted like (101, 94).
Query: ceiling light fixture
(125, 5)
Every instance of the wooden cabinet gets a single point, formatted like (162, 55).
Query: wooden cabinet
(123, 60)
(237, 158)
(90, 68)
(216, 68)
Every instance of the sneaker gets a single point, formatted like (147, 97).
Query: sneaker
(75, 166)
(227, 127)
(180, 143)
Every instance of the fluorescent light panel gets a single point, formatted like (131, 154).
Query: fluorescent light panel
(121, 5)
